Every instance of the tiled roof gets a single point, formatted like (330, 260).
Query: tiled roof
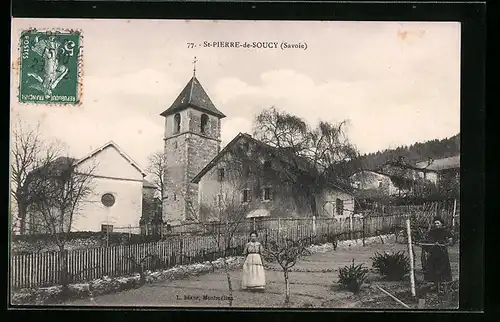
(388, 175)
(441, 164)
(193, 95)
(258, 213)
(120, 151)
(61, 164)
(283, 155)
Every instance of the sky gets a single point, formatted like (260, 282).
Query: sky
(395, 83)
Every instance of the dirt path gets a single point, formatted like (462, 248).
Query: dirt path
(309, 287)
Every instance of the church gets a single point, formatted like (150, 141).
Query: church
(196, 176)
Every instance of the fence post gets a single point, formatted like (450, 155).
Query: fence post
(363, 233)
(314, 225)
(350, 226)
(410, 252)
(180, 251)
(453, 214)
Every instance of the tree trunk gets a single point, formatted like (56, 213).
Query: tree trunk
(287, 287)
(21, 214)
(229, 283)
(64, 274)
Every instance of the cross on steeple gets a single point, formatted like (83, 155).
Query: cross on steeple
(194, 66)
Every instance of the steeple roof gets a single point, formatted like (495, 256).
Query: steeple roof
(194, 96)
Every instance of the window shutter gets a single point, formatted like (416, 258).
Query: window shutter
(249, 195)
(271, 193)
(242, 196)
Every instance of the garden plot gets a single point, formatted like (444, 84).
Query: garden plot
(313, 284)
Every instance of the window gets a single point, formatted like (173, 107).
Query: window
(107, 228)
(203, 123)
(380, 183)
(175, 196)
(246, 196)
(177, 123)
(175, 145)
(259, 223)
(339, 205)
(246, 146)
(267, 164)
(108, 200)
(219, 200)
(246, 171)
(220, 174)
(266, 194)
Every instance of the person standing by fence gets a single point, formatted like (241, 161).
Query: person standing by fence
(438, 269)
(253, 277)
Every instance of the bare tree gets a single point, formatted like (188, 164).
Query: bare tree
(223, 216)
(59, 190)
(28, 152)
(286, 252)
(315, 157)
(156, 167)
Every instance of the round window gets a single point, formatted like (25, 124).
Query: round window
(108, 199)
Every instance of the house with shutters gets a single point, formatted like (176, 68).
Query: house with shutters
(198, 175)
(248, 171)
(444, 170)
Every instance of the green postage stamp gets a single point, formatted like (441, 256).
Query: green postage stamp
(50, 67)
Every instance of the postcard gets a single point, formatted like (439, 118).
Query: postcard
(231, 163)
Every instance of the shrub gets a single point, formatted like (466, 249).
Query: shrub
(352, 277)
(393, 266)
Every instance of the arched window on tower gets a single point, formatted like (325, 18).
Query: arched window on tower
(177, 123)
(204, 123)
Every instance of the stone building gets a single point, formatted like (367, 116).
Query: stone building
(374, 180)
(250, 172)
(192, 139)
(446, 169)
(193, 174)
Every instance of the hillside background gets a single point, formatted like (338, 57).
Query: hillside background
(420, 151)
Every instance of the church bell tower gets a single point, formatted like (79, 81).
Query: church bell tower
(192, 139)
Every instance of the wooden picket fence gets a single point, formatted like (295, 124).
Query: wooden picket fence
(43, 269)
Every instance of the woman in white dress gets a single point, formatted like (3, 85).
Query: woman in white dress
(253, 271)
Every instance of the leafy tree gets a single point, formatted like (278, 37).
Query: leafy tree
(314, 157)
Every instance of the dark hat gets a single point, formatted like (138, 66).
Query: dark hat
(437, 218)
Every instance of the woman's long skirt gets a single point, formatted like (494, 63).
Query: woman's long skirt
(253, 273)
(438, 267)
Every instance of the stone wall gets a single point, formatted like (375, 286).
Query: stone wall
(175, 179)
(186, 154)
